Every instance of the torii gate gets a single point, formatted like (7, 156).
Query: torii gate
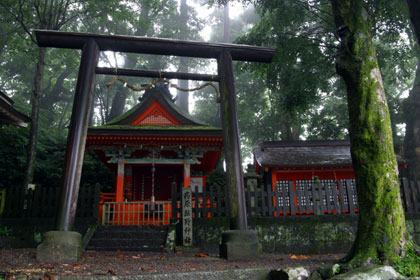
(64, 244)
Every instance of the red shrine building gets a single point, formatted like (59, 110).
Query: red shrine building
(306, 160)
(152, 149)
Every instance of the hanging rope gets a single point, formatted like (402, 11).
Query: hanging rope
(124, 82)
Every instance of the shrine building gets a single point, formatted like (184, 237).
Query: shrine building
(152, 149)
(305, 161)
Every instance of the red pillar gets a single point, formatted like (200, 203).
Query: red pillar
(119, 186)
(187, 173)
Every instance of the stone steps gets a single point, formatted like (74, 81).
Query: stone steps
(129, 238)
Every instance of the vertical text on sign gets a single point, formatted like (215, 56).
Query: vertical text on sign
(187, 229)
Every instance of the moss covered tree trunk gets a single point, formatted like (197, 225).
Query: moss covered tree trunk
(382, 234)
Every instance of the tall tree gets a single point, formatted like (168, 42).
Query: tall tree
(182, 96)
(412, 105)
(48, 14)
(382, 234)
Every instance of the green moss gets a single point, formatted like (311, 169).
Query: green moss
(409, 265)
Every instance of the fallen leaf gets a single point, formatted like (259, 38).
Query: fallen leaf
(121, 256)
(201, 255)
(187, 263)
(110, 271)
(76, 265)
(147, 269)
(179, 252)
(118, 250)
(280, 259)
(301, 257)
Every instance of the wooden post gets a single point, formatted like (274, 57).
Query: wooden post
(77, 136)
(119, 186)
(232, 145)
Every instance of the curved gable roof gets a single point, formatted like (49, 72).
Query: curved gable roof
(305, 153)
(161, 95)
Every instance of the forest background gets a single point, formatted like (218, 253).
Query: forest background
(298, 96)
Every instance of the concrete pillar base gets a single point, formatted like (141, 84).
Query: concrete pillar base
(60, 246)
(239, 245)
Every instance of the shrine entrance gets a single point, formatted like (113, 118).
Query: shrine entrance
(91, 45)
(144, 188)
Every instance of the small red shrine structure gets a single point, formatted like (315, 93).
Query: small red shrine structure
(152, 148)
(305, 162)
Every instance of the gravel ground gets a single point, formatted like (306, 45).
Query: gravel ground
(23, 261)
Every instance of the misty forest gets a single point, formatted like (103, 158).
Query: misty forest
(312, 90)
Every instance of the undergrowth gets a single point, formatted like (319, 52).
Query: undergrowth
(409, 266)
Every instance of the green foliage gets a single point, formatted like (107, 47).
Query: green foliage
(95, 172)
(49, 164)
(217, 178)
(5, 231)
(409, 265)
(12, 155)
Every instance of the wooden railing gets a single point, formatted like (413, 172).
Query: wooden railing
(302, 197)
(211, 202)
(316, 197)
(410, 195)
(136, 213)
(43, 202)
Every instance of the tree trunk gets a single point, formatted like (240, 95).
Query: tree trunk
(411, 105)
(182, 96)
(382, 234)
(120, 97)
(412, 130)
(33, 132)
(414, 11)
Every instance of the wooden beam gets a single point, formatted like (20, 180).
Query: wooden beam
(157, 74)
(174, 161)
(158, 46)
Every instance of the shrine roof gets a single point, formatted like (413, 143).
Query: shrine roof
(9, 115)
(305, 153)
(156, 105)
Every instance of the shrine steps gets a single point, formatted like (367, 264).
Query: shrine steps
(129, 238)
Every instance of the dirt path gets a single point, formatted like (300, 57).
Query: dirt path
(23, 261)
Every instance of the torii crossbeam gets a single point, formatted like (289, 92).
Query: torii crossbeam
(91, 45)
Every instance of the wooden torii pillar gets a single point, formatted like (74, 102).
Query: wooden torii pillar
(64, 244)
